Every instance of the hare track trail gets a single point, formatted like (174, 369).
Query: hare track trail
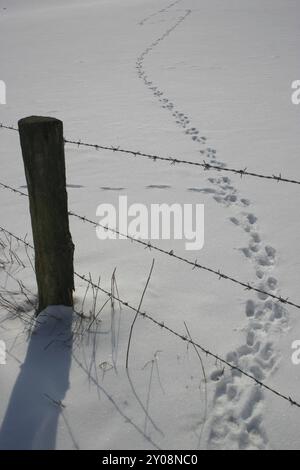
(236, 417)
(157, 13)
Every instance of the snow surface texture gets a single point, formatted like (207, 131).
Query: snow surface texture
(198, 80)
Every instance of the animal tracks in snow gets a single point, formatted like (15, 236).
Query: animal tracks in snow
(258, 356)
(163, 10)
(236, 418)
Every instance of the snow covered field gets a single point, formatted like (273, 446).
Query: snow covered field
(157, 76)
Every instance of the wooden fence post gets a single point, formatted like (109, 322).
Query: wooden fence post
(42, 145)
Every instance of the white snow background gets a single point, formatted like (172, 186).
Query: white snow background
(155, 76)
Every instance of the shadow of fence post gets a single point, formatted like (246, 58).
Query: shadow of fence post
(31, 418)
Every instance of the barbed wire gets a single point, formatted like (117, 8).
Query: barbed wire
(14, 190)
(163, 326)
(11, 128)
(195, 265)
(174, 161)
